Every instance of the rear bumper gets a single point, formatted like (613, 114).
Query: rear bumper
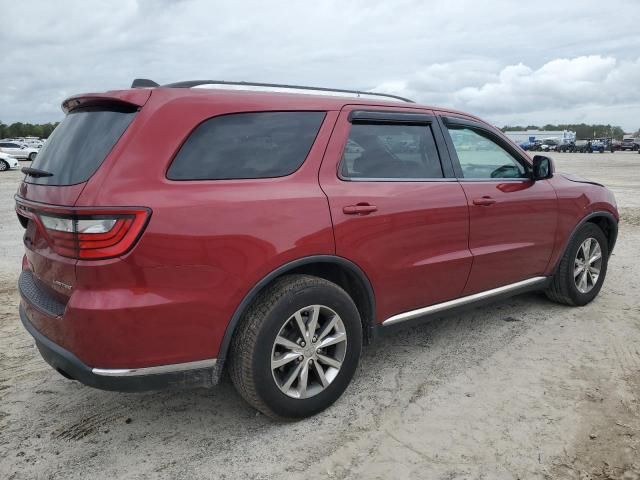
(203, 373)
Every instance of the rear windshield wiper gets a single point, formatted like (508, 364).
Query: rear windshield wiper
(36, 172)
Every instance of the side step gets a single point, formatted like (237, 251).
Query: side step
(534, 283)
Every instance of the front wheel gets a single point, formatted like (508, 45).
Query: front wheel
(32, 156)
(297, 347)
(3, 166)
(582, 269)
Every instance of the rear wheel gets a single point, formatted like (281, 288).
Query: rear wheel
(297, 347)
(582, 268)
(3, 166)
(32, 156)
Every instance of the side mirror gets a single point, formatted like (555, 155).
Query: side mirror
(542, 167)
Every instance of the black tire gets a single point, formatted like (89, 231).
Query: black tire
(3, 166)
(563, 287)
(32, 156)
(251, 348)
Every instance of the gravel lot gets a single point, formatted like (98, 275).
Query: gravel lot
(522, 389)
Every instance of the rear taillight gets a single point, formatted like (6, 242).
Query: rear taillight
(93, 236)
(88, 234)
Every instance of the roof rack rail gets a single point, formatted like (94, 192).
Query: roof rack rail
(197, 83)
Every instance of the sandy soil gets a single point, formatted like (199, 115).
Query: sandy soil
(523, 389)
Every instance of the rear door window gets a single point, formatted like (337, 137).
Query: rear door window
(247, 145)
(390, 151)
(79, 145)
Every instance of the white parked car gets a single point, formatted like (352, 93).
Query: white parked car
(19, 151)
(8, 162)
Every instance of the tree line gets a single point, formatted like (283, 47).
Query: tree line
(583, 130)
(19, 129)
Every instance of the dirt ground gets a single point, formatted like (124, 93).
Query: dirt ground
(523, 389)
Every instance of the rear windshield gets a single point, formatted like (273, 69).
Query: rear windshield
(81, 142)
(247, 145)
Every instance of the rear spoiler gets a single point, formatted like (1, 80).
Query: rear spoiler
(136, 98)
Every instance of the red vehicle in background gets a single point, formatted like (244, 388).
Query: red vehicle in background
(176, 232)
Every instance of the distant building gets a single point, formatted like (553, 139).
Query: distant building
(562, 136)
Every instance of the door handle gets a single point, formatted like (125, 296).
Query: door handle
(484, 201)
(359, 209)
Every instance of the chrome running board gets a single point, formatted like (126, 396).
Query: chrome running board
(458, 302)
(134, 372)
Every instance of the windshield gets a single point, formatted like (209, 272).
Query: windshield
(79, 145)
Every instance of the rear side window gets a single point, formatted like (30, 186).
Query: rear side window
(79, 145)
(247, 145)
(391, 151)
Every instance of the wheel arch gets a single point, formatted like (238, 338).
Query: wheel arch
(608, 225)
(604, 220)
(336, 269)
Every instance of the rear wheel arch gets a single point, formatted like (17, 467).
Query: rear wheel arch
(335, 269)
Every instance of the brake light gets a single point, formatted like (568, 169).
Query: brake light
(93, 235)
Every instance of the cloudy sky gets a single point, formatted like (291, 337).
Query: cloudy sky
(511, 62)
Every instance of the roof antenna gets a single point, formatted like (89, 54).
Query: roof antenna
(143, 83)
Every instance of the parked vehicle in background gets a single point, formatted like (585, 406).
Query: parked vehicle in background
(536, 146)
(549, 145)
(630, 144)
(567, 147)
(597, 145)
(7, 162)
(582, 146)
(18, 150)
(174, 233)
(602, 144)
(592, 146)
(34, 143)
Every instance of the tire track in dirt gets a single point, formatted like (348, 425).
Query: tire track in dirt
(89, 425)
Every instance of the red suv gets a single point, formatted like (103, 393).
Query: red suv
(174, 233)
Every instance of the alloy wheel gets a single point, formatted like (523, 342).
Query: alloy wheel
(308, 351)
(587, 265)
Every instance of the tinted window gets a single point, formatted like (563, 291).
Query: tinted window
(481, 157)
(78, 146)
(247, 145)
(380, 151)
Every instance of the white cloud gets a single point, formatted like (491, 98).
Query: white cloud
(561, 90)
(502, 60)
